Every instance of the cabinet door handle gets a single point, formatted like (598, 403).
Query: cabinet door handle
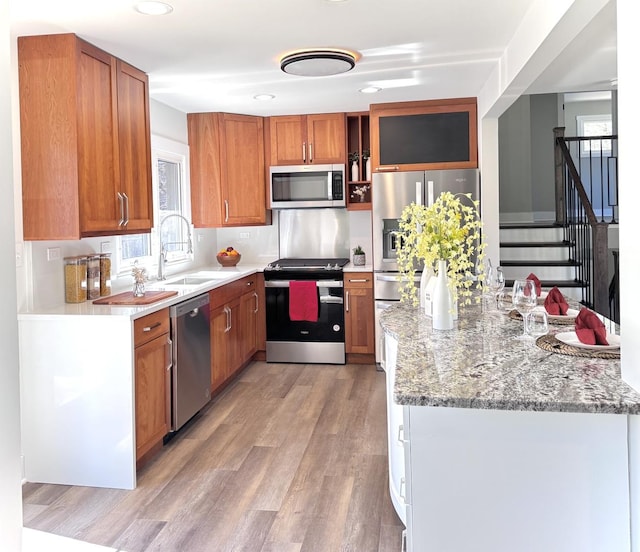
(121, 201)
(304, 152)
(227, 310)
(310, 152)
(226, 210)
(388, 168)
(346, 296)
(359, 280)
(249, 283)
(401, 434)
(169, 346)
(402, 489)
(126, 209)
(168, 382)
(152, 327)
(255, 295)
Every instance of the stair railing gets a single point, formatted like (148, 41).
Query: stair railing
(586, 235)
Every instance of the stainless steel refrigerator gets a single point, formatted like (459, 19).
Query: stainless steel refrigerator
(391, 193)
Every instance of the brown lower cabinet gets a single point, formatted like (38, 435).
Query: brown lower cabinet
(235, 310)
(359, 319)
(152, 355)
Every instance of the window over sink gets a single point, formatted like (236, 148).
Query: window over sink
(170, 177)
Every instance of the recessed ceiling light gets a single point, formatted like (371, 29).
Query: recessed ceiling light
(153, 8)
(264, 97)
(318, 62)
(370, 89)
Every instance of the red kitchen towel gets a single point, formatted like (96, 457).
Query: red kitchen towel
(303, 300)
(590, 329)
(536, 281)
(555, 302)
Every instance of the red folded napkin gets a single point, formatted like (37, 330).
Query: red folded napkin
(590, 329)
(555, 302)
(537, 283)
(303, 300)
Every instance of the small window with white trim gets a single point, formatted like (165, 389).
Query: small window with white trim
(170, 172)
(594, 125)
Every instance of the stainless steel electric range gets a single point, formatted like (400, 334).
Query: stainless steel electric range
(319, 339)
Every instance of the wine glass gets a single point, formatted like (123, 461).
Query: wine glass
(524, 300)
(495, 283)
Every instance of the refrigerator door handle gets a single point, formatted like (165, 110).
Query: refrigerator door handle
(419, 193)
(430, 192)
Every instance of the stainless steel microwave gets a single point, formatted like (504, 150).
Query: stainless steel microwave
(304, 186)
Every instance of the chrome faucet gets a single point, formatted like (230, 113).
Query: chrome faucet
(163, 246)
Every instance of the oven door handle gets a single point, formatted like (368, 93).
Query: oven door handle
(321, 283)
(331, 300)
(395, 278)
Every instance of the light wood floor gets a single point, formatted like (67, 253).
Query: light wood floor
(290, 458)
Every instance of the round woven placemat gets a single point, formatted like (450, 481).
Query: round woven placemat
(555, 320)
(550, 343)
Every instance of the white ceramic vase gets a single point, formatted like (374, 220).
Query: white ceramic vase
(368, 165)
(427, 274)
(442, 304)
(354, 171)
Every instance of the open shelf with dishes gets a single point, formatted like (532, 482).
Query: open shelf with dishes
(358, 185)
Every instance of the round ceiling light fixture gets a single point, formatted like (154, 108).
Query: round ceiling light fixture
(321, 62)
(151, 7)
(264, 97)
(370, 89)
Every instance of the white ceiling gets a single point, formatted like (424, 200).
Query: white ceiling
(216, 55)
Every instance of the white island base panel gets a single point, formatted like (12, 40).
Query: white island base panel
(77, 401)
(499, 481)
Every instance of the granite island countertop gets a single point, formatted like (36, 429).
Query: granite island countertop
(480, 364)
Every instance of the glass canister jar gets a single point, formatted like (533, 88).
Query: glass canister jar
(75, 279)
(93, 276)
(105, 274)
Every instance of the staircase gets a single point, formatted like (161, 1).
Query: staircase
(539, 248)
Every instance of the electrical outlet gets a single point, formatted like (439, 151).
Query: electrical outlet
(245, 235)
(105, 247)
(53, 253)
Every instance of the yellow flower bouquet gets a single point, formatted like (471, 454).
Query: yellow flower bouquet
(446, 230)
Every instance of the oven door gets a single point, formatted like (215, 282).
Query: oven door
(302, 341)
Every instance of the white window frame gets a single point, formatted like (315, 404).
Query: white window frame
(177, 152)
(588, 148)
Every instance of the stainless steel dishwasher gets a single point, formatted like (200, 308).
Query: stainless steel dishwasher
(191, 379)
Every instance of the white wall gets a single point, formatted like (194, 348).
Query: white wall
(629, 144)
(10, 471)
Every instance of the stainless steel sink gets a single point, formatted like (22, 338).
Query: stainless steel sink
(188, 281)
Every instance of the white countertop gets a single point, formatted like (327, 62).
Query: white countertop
(87, 308)
(350, 267)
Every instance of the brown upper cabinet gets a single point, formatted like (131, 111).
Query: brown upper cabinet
(85, 137)
(307, 139)
(434, 134)
(226, 154)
